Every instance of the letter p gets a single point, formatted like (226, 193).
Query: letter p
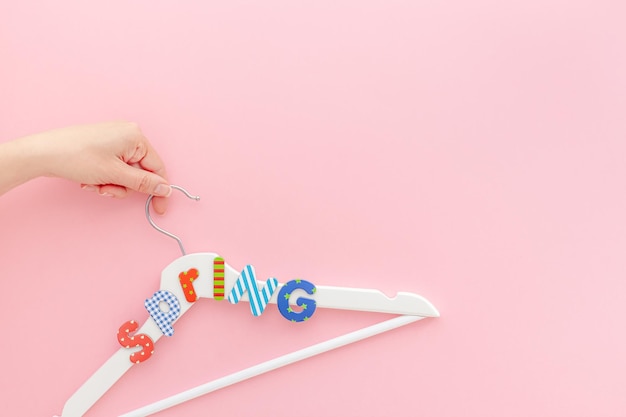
(163, 319)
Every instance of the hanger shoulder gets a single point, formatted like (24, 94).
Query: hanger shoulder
(99, 383)
(359, 299)
(107, 375)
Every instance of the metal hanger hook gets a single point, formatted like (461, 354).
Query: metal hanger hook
(165, 232)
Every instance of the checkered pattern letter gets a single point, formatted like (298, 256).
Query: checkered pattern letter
(163, 319)
(247, 282)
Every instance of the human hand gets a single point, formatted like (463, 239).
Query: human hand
(110, 158)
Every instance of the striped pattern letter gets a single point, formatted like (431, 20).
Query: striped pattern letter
(218, 278)
(247, 282)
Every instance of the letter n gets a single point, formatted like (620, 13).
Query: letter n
(247, 282)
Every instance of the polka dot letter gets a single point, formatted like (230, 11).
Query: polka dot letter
(126, 340)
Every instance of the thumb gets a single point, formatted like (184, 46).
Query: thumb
(141, 180)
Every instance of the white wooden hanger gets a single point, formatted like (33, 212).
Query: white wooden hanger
(411, 307)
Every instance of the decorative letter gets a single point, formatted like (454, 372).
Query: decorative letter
(218, 278)
(186, 281)
(126, 340)
(247, 282)
(163, 319)
(308, 306)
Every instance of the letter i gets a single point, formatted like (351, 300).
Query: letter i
(218, 278)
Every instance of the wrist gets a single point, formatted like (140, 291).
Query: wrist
(38, 152)
(17, 164)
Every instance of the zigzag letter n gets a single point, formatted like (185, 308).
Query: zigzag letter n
(247, 282)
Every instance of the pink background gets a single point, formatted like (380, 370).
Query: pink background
(471, 152)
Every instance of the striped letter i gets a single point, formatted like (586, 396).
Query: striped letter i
(218, 278)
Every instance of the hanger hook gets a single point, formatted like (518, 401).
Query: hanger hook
(165, 232)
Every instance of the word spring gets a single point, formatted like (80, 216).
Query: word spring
(246, 282)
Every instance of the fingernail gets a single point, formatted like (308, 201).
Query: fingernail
(163, 190)
(106, 194)
(89, 187)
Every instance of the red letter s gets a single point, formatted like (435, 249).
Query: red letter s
(126, 340)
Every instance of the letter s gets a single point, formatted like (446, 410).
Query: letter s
(126, 340)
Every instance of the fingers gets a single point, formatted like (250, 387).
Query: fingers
(107, 190)
(127, 162)
(159, 204)
(147, 158)
(146, 182)
(137, 179)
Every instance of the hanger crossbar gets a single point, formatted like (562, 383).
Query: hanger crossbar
(272, 364)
